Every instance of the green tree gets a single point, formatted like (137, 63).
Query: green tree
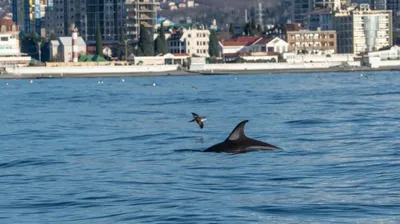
(253, 27)
(163, 40)
(99, 41)
(247, 29)
(231, 29)
(53, 36)
(213, 44)
(158, 46)
(259, 29)
(145, 45)
(121, 46)
(29, 44)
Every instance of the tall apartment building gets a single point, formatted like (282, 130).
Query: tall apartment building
(140, 12)
(29, 14)
(300, 8)
(85, 15)
(393, 5)
(362, 29)
(319, 19)
(332, 4)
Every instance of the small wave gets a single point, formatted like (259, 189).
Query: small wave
(29, 162)
(188, 150)
(382, 94)
(308, 121)
(136, 137)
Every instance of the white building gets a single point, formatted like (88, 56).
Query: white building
(362, 29)
(189, 41)
(9, 44)
(238, 45)
(61, 49)
(270, 45)
(253, 44)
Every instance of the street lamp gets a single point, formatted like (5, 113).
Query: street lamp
(40, 57)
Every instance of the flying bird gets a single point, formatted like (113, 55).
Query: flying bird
(199, 120)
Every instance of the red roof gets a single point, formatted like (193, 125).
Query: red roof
(265, 41)
(180, 54)
(241, 41)
(293, 27)
(233, 43)
(8, 23)
(231, 55)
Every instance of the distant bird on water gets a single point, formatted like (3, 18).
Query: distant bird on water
(199, 120)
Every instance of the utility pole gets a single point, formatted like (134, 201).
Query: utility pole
(260, 15)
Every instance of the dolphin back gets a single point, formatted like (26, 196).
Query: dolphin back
(238, 132)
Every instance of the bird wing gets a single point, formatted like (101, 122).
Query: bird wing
(195, 115)
(201, 124)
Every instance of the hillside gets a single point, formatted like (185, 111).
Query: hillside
(232, 11)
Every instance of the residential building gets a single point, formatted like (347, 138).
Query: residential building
(140, 12)
(332, 4)
(10, 49)
(319, 18)
(312, 41)
(190, 3)
(61, 49)
(362, 29)
(300, 8)
(393, 5)
(276, 45)
(85, 15)
(237, 45)
(189, 41)
(29, 14)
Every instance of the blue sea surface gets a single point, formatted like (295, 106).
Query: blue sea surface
(76, 151)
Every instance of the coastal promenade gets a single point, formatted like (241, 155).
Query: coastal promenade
(173, 70)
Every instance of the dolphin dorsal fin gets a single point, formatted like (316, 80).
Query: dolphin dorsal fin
(238, 132)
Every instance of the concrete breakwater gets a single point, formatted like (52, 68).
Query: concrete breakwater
(174, 70)
(85, 71)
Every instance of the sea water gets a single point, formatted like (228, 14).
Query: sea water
(107, 150)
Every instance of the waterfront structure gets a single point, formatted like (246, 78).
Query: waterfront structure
(237, 45)
(85, 15)
(361, 29)
(29, 15)
(276, 45)
(75, 46)
(140, 12)
(312, 41)
(190, 41)
(62, 49)
(9, 44)
(319, 18)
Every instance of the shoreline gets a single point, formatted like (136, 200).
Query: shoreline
(198, 73)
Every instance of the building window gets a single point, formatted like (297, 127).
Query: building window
(4, 38)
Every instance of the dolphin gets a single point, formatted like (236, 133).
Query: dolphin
(238, 142)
